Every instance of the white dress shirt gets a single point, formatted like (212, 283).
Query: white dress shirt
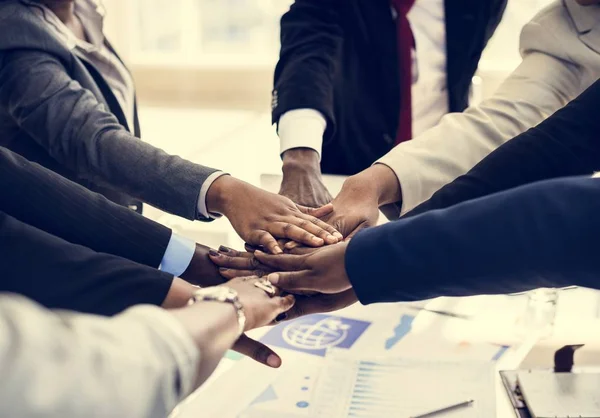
(304, 128)
(139, 364)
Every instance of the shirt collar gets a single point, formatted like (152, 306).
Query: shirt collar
(584, 17)
(91, 13)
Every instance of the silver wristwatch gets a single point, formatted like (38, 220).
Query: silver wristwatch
(221, 294)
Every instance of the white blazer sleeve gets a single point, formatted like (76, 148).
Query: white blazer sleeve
(140, 363)
(549, 76)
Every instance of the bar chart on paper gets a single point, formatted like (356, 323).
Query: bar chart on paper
(369, 388)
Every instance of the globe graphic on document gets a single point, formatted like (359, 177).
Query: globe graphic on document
(325, 333)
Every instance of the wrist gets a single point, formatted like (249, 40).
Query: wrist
(304, 160)
(179, 294)
(377, 183)
(202, 271)
(219, 195)
(211, 324)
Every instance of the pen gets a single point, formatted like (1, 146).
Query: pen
(446, 409)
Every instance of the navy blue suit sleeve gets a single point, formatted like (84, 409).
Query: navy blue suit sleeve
(566, 144)
(546, 234)
(61, 275)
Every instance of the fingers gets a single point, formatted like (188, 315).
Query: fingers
(293, 281)
(266, 240)
(285, 262)
(316, 212)
(330, 229)
(230, 274)
(257, 351)
(298, 230)
(234, 253)
(233, 262)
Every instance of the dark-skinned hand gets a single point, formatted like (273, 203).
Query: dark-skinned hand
(259, 217)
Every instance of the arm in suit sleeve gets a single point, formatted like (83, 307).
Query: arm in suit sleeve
(549, 76)
(541, 235)
(62, 275)
(566, 144)
(50, 202)
(77, 131)
(311, 41)
(60, 364)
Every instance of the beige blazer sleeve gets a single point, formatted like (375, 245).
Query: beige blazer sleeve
(556, 67)
(140, 363)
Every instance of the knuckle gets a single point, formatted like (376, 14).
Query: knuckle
(287, 228)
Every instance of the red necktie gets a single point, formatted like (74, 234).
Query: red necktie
(406, 42)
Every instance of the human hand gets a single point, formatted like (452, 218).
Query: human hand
(259, 216)
(357, 205)
(321, 271)
(232, 263)
(302, 181)
(201, 270)
(319, 303)
(260, 308)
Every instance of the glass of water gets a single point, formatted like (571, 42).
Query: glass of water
(540, 312)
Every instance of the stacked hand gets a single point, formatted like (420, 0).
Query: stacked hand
(259, 217)
(318, 278)
(260, 310)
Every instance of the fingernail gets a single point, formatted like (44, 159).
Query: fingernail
(273, 278)
(273, 361)
(214, 253)
(281, 317)
(278, 250)
(317, 240)
(338, 235)
(223, 269)
(224, 249)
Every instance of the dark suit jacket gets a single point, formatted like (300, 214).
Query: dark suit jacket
(55, 109)
(541, 235)
(50, 202)
(340, 57)
(566, 144)
(62, 275)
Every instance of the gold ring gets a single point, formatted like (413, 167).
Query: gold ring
(266, 285)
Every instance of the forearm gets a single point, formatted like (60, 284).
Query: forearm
(461, 140)
(71, 124)
(565, 144)
(541, 235)
(213, 335)
(377, 184)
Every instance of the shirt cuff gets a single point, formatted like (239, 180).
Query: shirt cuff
(407, 171)
(302, 128)
(202, 207)
(178, 255)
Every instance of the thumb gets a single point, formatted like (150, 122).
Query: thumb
(257, 351)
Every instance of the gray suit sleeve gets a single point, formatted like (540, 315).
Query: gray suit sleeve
(78, 132)
(139, 364)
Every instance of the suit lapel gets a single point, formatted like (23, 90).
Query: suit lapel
(587, 22)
